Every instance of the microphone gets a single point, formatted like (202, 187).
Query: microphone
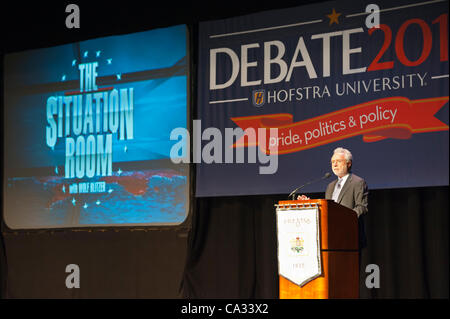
(327, 174)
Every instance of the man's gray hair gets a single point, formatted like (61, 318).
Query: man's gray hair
(347, 153)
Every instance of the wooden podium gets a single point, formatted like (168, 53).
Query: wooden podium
(339, 254)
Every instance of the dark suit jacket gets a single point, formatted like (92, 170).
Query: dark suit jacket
(354, 194)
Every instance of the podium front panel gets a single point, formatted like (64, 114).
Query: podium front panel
(339, 277)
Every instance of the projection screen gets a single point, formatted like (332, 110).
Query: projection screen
(87, 132)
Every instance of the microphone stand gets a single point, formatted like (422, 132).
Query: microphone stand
(316, 180)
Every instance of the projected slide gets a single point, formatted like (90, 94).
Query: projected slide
(87, 132)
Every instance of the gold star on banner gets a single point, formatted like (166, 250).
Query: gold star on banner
(334, 17)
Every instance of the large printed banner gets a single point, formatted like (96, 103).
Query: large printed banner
(298, 239)
(87, 132)
(340, 73)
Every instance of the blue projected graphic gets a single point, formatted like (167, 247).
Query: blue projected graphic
(87, 132)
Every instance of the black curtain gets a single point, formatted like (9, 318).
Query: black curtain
(113, 263)
(232, 246)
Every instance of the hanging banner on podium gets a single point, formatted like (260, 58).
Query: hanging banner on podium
(298, 244)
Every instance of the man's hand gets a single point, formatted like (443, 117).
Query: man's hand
(302, 197)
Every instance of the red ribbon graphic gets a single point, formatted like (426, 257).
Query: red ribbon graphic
(396, 117)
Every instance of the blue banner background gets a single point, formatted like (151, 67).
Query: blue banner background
(421, 160)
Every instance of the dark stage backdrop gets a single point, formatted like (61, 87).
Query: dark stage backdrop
(113, 263)
(230, 253)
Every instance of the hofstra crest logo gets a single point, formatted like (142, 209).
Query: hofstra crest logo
(259, 97)
(297, 244)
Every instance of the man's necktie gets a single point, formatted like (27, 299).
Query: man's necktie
(336, 191)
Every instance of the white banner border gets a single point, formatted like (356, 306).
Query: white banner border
(318, 257)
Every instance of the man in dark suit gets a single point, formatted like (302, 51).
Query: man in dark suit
(348, 190)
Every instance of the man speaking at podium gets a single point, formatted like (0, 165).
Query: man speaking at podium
(348, 190)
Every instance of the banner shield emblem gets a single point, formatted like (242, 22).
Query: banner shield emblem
(259, 97)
